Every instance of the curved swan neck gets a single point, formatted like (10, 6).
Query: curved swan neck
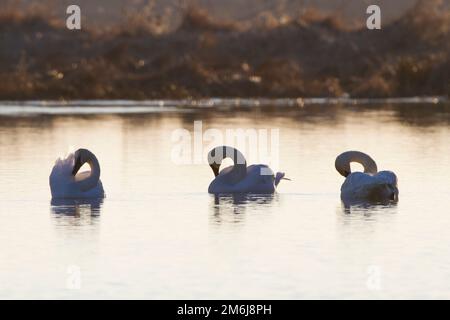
(83, 156)
(343, 161)
(218, 154)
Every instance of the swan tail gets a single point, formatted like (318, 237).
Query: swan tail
(278, 177)
(383, 191)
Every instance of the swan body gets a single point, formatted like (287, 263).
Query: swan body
(239, 178)
(67, 183)
(369, 185)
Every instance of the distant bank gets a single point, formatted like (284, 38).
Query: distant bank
(306, 56)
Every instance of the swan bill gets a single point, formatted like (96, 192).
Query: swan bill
(215, 168)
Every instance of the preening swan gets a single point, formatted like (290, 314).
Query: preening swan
(239, 178)
(67, 183)
(371, 185)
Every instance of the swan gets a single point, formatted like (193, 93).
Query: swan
(67, 183)
(368, 186)
(239, 178)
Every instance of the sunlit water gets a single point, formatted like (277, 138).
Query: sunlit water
(159, 234)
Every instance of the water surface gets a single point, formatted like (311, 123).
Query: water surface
(158, 234)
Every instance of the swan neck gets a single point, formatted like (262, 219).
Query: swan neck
(343, 161)
(92, 180)
(218, 154)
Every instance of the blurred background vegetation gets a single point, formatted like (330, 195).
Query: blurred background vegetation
(150, 49)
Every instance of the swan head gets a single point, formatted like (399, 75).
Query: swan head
(81, 156)
(218, 154)
(343, 161)
(344, 169)
(85, 183)
(215, 168)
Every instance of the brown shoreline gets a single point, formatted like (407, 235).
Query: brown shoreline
(305, 57)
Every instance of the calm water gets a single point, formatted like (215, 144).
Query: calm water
(158, 234)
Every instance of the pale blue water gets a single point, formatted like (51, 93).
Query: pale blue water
(158, 234)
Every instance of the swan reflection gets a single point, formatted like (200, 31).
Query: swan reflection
(242, 199)
(367, 208)
(76, 211)
(231, 207)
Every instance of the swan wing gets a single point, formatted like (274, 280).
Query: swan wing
(387, 177)
(258, 179)
(363, 186)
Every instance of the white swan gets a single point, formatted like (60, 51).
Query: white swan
(371, 185)
(66, 182)
(239, 178)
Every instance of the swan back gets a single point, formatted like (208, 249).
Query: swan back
(389, 177)
(361, 187)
